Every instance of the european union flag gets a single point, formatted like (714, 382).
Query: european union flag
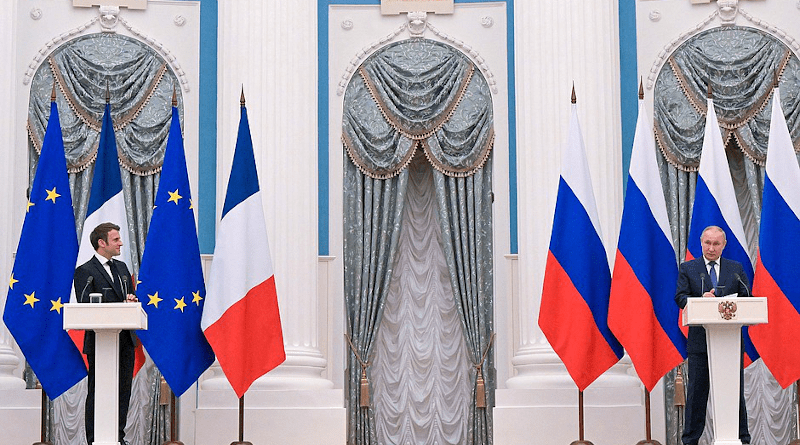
(41, 280)
(171, 286)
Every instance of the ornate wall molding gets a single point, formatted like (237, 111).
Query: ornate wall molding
(419, 24)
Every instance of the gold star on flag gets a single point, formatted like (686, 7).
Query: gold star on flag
(154, 300)
(12, 281)
(56, 305)
(197, 298)
(31, 299)
(174, 196)
(179, 304)
(28, 208)
(52, 195)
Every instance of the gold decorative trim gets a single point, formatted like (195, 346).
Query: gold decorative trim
(463, 172)
(382, 174)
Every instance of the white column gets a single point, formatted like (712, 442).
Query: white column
(13, 152)
(269, 48)
(558, 43)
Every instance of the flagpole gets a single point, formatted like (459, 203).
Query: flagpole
(173, 421)
(44, 419)
(648, 427)
(241, 424)
(580, 440)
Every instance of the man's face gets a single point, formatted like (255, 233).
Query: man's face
(111, 247)
(713, 242)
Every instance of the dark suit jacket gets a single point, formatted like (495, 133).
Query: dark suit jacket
(116, 293)
(693, 281)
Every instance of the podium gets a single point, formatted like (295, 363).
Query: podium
(106, 320)
(723, 319)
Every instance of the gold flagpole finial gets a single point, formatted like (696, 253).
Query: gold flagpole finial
(574, 97)
(776, 79)
(641, 89)
(53, 93)
(174, 96)
(241, 100)
(108, 94)
(709, 89)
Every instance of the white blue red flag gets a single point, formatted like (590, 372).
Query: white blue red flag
(779, 254)
(642, 311)
(241, 318)
(577, 281)
(715, 205)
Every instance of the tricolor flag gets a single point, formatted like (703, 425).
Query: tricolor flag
(41, 280)
(715, 205)
(577, 281)
(642, 311)
(779, 254)
(241, 319)
(106, 204)
(171, 286)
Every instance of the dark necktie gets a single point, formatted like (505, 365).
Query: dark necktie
(713, 272)
(114, 275)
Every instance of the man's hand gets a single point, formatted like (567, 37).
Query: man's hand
(131, 298)
(709, 294)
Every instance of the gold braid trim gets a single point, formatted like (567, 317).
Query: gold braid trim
(699, 106)
(85, 117)
(669, 156)
(379, 174)
(440, 120)
(125, 119)
(461, 172)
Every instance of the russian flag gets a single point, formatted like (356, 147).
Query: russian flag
(642, 313)
(241, 319)
(779, 254)
(106, 204)
(715, 205)
(574, 309)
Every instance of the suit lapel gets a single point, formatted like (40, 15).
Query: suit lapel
(107, 281)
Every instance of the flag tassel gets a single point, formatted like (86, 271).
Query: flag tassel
(364, 401)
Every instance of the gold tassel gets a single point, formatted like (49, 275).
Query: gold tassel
(164, 397)
(364, 402)
(680, 395)
(480, 391)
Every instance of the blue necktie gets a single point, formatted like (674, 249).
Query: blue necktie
(713, 273)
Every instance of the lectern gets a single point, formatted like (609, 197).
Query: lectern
(723, 319)
(106, 320)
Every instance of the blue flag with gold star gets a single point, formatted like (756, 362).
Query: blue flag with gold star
(171, 286)
(41, 280)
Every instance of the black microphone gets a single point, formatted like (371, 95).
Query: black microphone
(702, 284)
(88, 282)
(745, 286)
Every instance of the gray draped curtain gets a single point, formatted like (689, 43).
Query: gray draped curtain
(140, 85)
(410, 96)
(740, 65)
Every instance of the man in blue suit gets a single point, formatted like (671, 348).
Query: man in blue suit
(708, 276)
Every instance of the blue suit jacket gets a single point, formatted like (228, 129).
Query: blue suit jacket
(693, 281)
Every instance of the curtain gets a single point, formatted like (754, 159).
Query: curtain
(140, 86)
(739, 63)
(414, 96)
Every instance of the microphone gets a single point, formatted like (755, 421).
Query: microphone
(702, 284)
(88, 282)
(742, 281)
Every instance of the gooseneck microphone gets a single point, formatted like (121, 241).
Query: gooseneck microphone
(702, 284)
(83, 292)
(745, 286)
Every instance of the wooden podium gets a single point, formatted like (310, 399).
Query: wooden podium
(106, 320)
(723, 319)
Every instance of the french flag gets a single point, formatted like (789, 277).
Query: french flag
(106, 204)
(715, 205)
(574, 311)
(240, 318)
(779, 254)
(642, 312)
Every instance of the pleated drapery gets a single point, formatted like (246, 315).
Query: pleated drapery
(140, 85)
(417, 96)
(739, 63)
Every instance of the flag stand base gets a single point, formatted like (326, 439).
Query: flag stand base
(173, 442)
(242, 443)
(581, 442)
(42, 443)
(648, 442)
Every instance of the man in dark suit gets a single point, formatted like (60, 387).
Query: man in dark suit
(708, 276)
(112, 279)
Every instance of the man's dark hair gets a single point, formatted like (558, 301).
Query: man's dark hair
(101, 233)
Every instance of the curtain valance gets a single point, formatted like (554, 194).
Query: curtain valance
(140, 88)
(739, 63)
(418, 93)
